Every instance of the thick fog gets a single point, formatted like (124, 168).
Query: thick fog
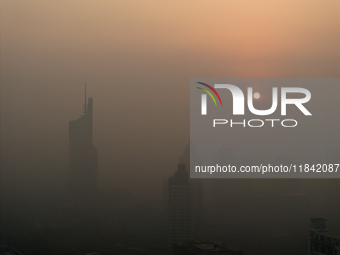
(137, 59)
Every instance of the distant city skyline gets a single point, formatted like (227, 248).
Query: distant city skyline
(106, 166)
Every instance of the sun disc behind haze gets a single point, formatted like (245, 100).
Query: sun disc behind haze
(257, 95)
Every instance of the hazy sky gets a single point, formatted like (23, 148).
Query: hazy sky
(137, 58)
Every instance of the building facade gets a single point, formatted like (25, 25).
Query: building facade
(322, 242)
(184, 199)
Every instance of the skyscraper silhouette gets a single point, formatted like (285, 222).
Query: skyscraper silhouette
(184, 206)
(83, 165)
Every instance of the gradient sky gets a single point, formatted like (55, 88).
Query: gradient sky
(137, 58)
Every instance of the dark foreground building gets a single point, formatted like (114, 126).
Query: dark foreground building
(322, 242)
(7, 250)
(204, 248)
(83, 167)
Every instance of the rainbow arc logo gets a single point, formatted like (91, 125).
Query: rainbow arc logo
(209, 93)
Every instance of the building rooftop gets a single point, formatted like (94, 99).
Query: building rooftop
(7, 250)
(207, 247)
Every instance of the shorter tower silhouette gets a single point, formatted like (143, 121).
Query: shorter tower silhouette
(184, 206)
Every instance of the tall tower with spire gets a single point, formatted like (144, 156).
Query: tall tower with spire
(83, 164)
